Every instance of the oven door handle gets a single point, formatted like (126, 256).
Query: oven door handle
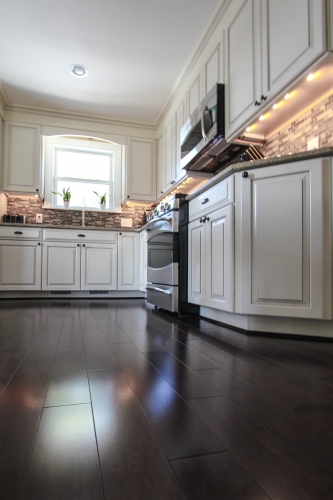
(167, 292)
(158, 220)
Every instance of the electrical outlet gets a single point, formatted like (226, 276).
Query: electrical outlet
(126, 222)
(313, 143)
(39, 218)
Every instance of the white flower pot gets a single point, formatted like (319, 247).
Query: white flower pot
(66, 204)
(102, 206)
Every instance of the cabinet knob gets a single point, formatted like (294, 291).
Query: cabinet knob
(83, 245)
(245, 174)
(162, 192)
(38, 243)
(172, 182)
(201, 220)
(81, 235)
(120, 234)
(78, 244)
(206, 218)
(263, 97)
(257, 103)
(37, 190)
(128, 196)
(18, 232)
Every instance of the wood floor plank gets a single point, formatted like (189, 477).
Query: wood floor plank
(143, 342)
(99, 355)
(20, 408)
(186, 382)
(217, 476)
(9, 362)
(64, 462)
(276, 466)
(179, 431)
(68, 382)
(132, 463)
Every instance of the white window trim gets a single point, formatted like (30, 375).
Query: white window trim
(49, 145)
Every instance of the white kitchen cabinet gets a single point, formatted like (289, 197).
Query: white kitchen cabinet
(211, 260)
(20, 265)
(61, 266)
(160, 165)
(143, 262)
(22, 159)
(281, 250)
(70, 264)
(140, 178)
(98, 267)
(179, 122)
(128, 261)
(279, 40)
(169, 177)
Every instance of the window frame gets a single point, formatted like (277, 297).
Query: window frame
(84, 144)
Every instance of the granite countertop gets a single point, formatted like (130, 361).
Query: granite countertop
(79, 228)
(266, 162)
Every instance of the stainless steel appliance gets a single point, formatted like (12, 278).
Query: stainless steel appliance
(14, 219)
(202, 138)
(163, 250)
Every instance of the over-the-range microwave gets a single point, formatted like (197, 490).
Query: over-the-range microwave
(202, 138)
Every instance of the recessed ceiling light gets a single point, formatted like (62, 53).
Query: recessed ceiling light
(79, 70)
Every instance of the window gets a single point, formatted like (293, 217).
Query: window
(84, 166)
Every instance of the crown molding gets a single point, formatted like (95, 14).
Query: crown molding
(21, 108)
(204, 39)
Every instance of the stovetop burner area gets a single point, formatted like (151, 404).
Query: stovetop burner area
(167, 205)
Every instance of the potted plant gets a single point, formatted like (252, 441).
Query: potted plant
(102, 200)
(66, 196)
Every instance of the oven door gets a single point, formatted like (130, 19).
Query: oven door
(162, 258)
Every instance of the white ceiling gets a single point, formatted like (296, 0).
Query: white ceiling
(134, 50)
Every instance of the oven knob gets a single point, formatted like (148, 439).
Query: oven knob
(156, 211)
(162, 207)
(167, 206)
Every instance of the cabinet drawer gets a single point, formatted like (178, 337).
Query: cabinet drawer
(20, 233)
(80, 235)
(214, 198)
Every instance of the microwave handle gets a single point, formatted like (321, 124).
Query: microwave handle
(206, 109)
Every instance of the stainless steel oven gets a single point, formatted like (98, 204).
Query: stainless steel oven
(163, 255)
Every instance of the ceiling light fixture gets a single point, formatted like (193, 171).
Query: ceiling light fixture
(79, 70)
(275, 106)
(310, 77)
(248, 129)
(262, 118)
(287, 96)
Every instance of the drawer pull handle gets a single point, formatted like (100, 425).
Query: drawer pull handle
(18, 232)
(82, 235)
(167, 292)
(204, 201)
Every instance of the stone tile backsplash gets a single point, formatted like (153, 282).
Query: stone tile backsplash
(32, 206)
(294, 135)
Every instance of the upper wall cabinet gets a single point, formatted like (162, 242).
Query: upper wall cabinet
(140, 179)
(22, 159)
(267, 45)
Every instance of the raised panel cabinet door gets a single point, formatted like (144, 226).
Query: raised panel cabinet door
(98, 267)
(180, 120)
(22, 158)
(294, 36)
(281, 237)
(20, 265)
(196, 263)
(128, 261)
(219, 227)
(141, 169)
(61, 266)
(169, 171)
(160, 166)
(243, 62)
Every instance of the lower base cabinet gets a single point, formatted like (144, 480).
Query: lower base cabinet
(77, 266)
(211, 263)
(20, 265)
(128, 261)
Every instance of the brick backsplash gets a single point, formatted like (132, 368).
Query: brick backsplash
(317, 121)
(32, 206)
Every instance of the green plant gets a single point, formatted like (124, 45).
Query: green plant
(66, 194)
(102, 198)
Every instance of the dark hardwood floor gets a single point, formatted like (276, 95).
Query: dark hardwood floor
(111, 400)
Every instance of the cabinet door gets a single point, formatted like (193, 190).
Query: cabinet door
(98, 267)
(143, 261)
(179, 122)
(196, 263)
(243, 62)
(280, 240)
(219, 227)
(160, 166)
(128, 261)
(61, 266)
(294, 36)
(22, 161)
(141, 169)
(169, 170)
(20, 265)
